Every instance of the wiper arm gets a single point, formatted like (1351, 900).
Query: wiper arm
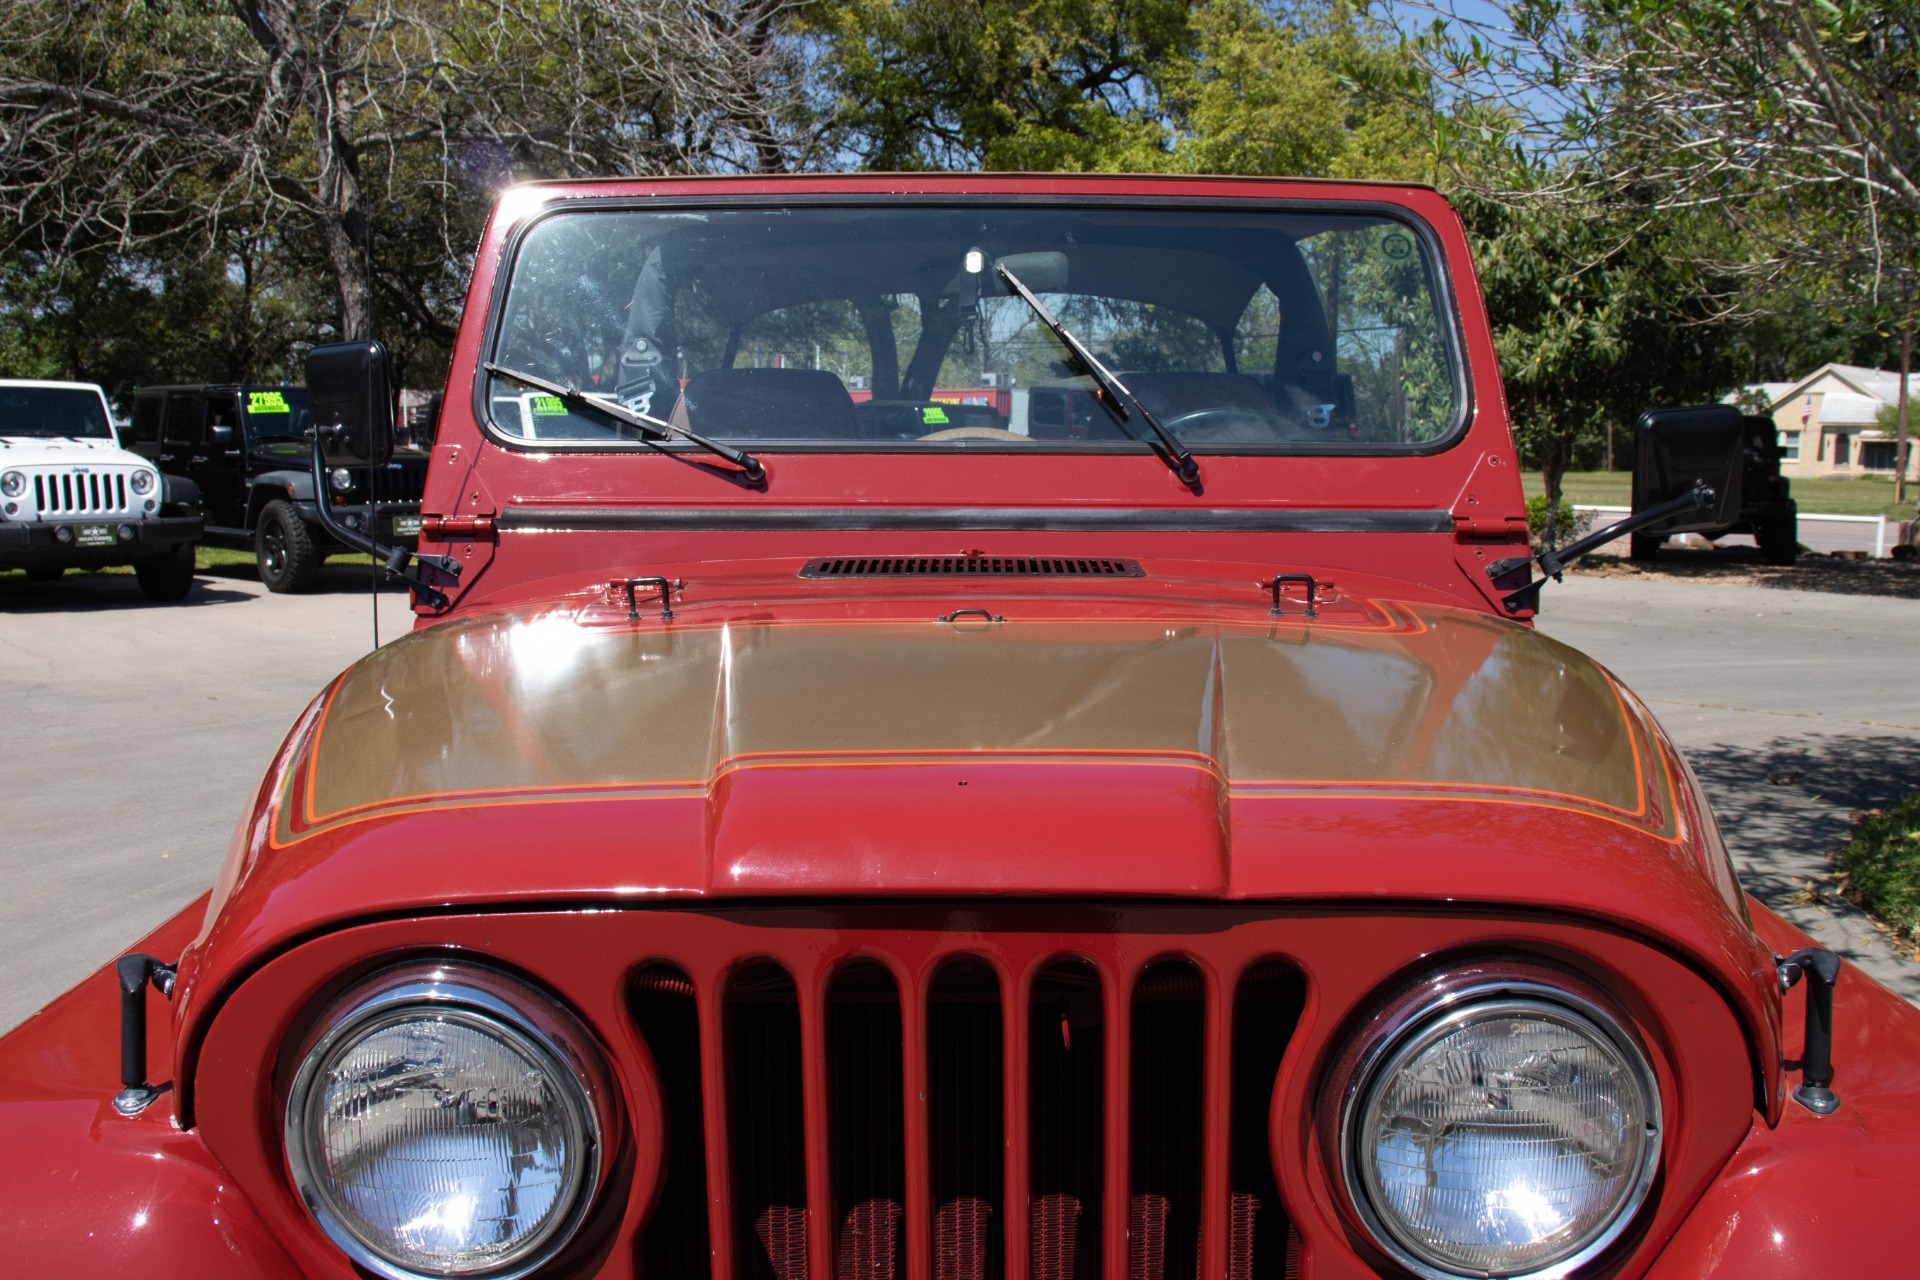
(1116, 394)
(658, 428)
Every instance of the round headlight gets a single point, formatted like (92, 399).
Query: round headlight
(341, 479)
(13, 484)
(142, 482)
(435, 1130)
(1508, 1132)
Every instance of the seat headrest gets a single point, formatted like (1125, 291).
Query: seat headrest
(770, 404)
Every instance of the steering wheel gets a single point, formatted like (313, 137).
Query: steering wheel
(975, 433)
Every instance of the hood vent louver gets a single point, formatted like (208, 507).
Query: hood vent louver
(972, 567)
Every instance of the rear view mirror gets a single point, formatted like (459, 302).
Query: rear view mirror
(1041, 272)
(351, 401)
(1673, 449)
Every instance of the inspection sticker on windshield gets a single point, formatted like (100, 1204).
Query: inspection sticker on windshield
(548, 406)
(267, 402)
(1397, 245)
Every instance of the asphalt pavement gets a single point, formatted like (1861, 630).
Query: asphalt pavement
(134, 734)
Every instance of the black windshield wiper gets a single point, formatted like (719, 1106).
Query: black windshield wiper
(1116, 396)
(657, 428)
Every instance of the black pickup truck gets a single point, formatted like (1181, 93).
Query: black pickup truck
(248, 450)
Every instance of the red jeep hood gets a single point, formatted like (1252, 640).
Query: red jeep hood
(564, 756)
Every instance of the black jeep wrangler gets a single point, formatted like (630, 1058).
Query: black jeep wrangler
(247, 447)
(1753, 496)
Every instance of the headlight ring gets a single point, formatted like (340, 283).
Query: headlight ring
(142, 482)
(448, 1120)
(13, 483)
(1497, 1126)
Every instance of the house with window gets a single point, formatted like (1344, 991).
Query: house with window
(1830, 421)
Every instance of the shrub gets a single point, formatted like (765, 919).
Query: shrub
(1882, 865)
(1568, 524)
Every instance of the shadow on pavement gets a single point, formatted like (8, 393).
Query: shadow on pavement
(336, 577)
(104, 592)
(1786, 808)
(1742, 566)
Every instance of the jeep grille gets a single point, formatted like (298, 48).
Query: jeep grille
(1061, 1092)
(91, 494)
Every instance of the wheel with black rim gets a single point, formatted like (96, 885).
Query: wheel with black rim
(169, 576)
(284, 549)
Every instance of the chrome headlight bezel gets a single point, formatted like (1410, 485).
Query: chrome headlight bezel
(531, 1023)
(144, 482)
(1425, 1014)
(13, 483)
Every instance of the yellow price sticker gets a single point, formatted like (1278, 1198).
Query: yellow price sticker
(548, 407)
(933, 417)
(267, 402)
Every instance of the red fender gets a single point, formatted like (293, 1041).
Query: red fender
(1821, 1195)
(85, 1191)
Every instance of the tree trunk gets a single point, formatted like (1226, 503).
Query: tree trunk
(1906, 373)
(1553, 468)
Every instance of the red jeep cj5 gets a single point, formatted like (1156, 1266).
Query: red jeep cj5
(1122, 829)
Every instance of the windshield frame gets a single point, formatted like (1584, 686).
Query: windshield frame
(1434, 260)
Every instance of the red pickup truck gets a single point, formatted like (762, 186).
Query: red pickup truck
(1139, 838)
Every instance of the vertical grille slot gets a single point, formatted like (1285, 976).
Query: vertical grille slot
(1168, 1082)
(865, 1106)
(674, 1242)
(767, 1145)
(965, 1080)
(1066, 1100)
(1266, 1008)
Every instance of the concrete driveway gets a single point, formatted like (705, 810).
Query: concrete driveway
(134, 735)
(132, 738)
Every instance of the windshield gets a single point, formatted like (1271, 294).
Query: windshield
(49, 412)
(276, 412)
(888, 328)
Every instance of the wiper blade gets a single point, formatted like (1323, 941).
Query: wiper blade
(658, 428)
(1121, 400)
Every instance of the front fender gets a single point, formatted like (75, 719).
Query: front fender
(87, 1192)
(1821, 1196)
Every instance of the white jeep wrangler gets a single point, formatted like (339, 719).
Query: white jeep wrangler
(71, 496)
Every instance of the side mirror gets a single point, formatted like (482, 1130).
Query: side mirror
(220, 436)
(351, 401)
(1675, 449)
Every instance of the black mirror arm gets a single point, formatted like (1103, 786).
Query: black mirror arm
(393, 559)
(1554, 563)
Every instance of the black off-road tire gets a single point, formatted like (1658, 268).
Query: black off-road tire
(284, 549)
(1779, 541)
(45, 572)
(167, 577)
(1644, 546)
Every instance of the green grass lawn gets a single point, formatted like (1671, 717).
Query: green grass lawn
(1868, 496)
